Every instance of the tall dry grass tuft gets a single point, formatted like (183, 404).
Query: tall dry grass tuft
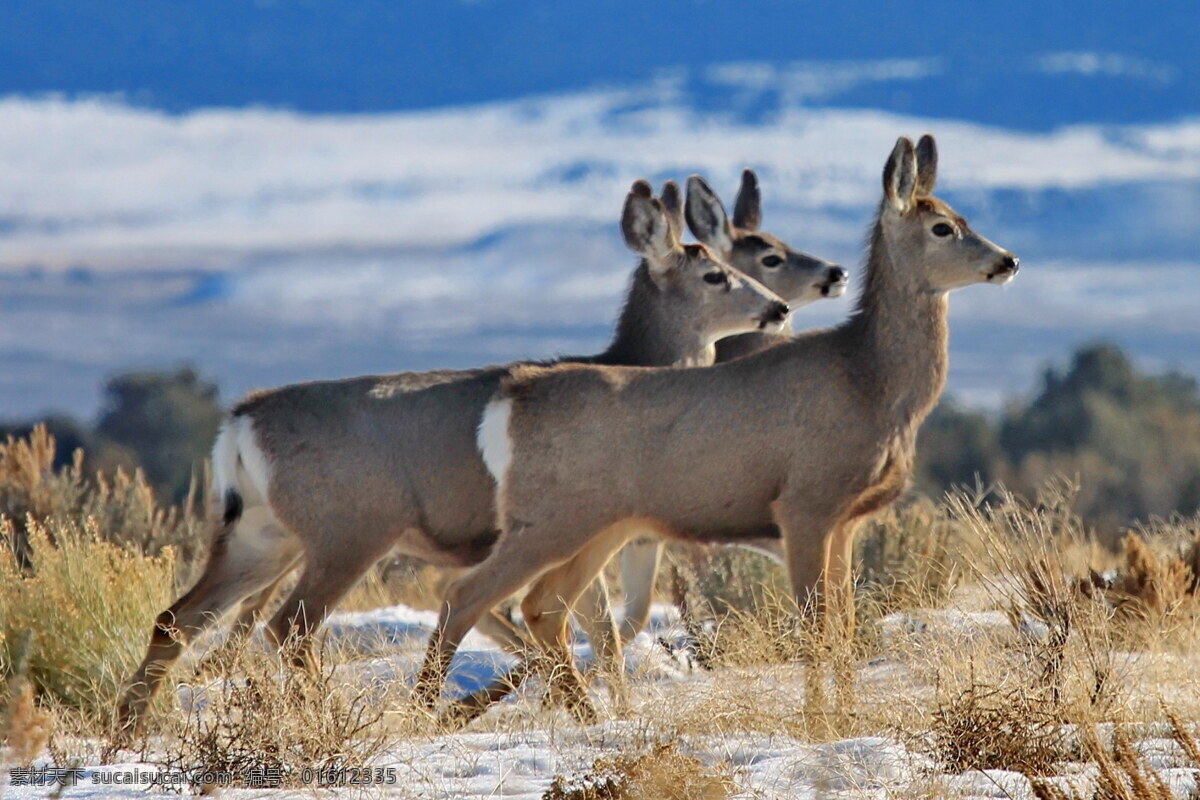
(910, 556)
(261, 716)
(87, 604)
(86, 564)
(123, 505)
(662, 773)
(1122, 773)
(24, 727)
(1035, 559)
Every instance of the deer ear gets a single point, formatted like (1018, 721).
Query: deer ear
(706, 216)
(926, 165)
(747, 211)
(646, 228)
(672, 200)
(900, 175)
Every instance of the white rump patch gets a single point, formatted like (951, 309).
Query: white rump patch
(493, 440)
(225, 459)
(239, 463)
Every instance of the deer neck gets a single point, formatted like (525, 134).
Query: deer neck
(902, 336)
(655, 331)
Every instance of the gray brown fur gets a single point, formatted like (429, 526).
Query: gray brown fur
(812, 435)
(796, 276)
(359, 467)
(800, 279)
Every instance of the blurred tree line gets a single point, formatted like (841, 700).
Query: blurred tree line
(163, 422)
(1131, 440)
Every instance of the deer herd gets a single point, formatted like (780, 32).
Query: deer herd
(706, 420)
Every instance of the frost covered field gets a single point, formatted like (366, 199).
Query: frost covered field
(999, 653)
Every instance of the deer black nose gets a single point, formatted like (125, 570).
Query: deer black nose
(838, 274)
(1012, 263)
(777, 312)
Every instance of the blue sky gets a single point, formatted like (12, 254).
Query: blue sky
(289, 190)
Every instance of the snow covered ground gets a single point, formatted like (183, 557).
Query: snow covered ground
(505, 757)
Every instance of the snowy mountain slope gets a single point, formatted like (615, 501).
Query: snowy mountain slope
(130, 237)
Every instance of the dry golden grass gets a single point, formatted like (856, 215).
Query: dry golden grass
(1123, 774)
(87, 605)
(661, 773)
(991, 631)
(263, 718)
(25, 728)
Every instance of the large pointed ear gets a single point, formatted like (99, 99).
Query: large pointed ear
(646, 227)
(672, 200)
(706, 216)
(926, 165)
(747, 211)
(900, 175)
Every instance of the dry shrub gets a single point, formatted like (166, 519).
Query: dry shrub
(1155, 585)
(264, 717)
(662, 773)
(122, 505)
(86, 564)
(88, 604)
(986, 727)
(1122, 774)
(909, 556)
(26, 728)
(773, 632)
(1035, 560)
(720, 580)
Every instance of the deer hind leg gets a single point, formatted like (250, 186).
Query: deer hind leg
(247, 555)
(837, 580)
(639, 566)
(500, 630)
(838, 590)
(593, 611)
(250, 614)
(547, 608)
(516, 560)
(325, 579)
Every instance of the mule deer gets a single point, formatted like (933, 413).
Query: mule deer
(335, 474)
(787, 272)
(811, 436)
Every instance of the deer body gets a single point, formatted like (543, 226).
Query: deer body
(335, 474)
(767, 259)
(811, 436)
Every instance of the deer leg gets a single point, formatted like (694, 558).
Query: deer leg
(837, 580)
(593, 611)
(838, 591)
(807, 531)
(246, 556)
(497, 628)
(324, 581)
(248, 616)
(547, 607)
(512, 564)
(639, 566)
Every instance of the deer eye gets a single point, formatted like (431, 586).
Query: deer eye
(942, 229)
(716, 278)
(772, 261)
